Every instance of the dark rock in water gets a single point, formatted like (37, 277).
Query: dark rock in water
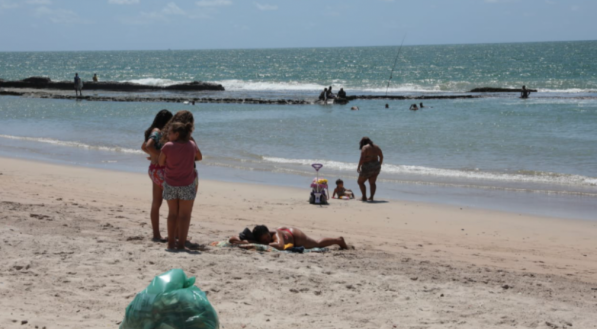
(195, 85)
(499, 90)
(47, 83)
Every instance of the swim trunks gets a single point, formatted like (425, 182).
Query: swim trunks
(188, 192)
(156, 173)
(370, 169)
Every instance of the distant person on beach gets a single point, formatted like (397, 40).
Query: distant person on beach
(413, 107)
(387, 106)
(369, 166)
(285, 238)
(95, 77)
(525, 92)
(341, 191)
(341, 93)
(152, 146)
(78, 85)
(178, 156)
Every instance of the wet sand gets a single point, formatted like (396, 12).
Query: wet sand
(76, 249)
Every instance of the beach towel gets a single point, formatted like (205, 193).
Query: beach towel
(264, 248)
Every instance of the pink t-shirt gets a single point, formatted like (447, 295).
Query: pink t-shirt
(180, 160)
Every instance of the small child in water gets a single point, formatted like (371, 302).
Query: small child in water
(341, 191)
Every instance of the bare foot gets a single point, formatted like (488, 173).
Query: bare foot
(371, 199)
(159, 239)
(363, 199)
(343, 244)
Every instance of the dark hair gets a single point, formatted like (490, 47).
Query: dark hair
(365, 141)
(160, 120)
(259, 231)
(184, 130)
(180, 116)
(339, 181)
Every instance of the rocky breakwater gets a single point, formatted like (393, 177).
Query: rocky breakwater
(47, 83)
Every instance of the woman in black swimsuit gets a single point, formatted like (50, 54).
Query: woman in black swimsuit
(369, 166)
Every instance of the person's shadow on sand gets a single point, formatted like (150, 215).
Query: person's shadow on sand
(375, 201)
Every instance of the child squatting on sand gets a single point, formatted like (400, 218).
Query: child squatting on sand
(343, 193)
(180, 180)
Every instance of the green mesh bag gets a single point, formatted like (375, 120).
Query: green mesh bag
(171, 301)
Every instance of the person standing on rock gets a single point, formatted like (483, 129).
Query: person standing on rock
(525, 92)
(95, 77)
(78, 85)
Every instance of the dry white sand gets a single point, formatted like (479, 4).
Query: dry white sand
(75, 249)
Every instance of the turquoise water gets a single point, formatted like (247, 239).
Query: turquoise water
(545, 146)
(549, 67)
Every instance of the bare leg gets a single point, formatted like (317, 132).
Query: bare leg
(184, 221)
(373, 186)
(363, 188)
(156, 203)
(326, 242)
(172, 218)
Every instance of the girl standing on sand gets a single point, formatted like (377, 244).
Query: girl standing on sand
(152, 146)
(180, 180)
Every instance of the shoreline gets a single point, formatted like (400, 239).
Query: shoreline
(78, 239)
(557, 205)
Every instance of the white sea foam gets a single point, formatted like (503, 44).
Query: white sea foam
(239, 85)
(73, 144)
(155, 82)
(529, 177)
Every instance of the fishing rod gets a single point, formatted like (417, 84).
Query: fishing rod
(395, 61)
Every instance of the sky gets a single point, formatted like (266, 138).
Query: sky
(81, 25)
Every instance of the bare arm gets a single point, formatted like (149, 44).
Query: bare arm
(362, 159)
(150, 148)
(162, 159)
(279, 244)
(237, 240)
(334, 195)
(380, 155)
(143, 148)
(198, 155)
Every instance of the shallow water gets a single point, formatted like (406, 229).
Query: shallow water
(455, 151)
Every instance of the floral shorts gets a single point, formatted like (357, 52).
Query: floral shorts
(180, 192)
(156, 173)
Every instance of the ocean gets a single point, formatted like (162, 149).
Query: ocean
(537, 155)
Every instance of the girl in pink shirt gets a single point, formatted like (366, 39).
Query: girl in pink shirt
(178, 156)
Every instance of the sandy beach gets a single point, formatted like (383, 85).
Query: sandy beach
(76, 248)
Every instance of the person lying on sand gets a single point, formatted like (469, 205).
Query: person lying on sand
(285, 238)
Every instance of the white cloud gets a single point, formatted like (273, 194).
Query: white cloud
(39, 2)
(7, 4)
(123, 2)
(60, 16)
(164, 15)
(213, 3)
(172, 9)
(265, 7)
